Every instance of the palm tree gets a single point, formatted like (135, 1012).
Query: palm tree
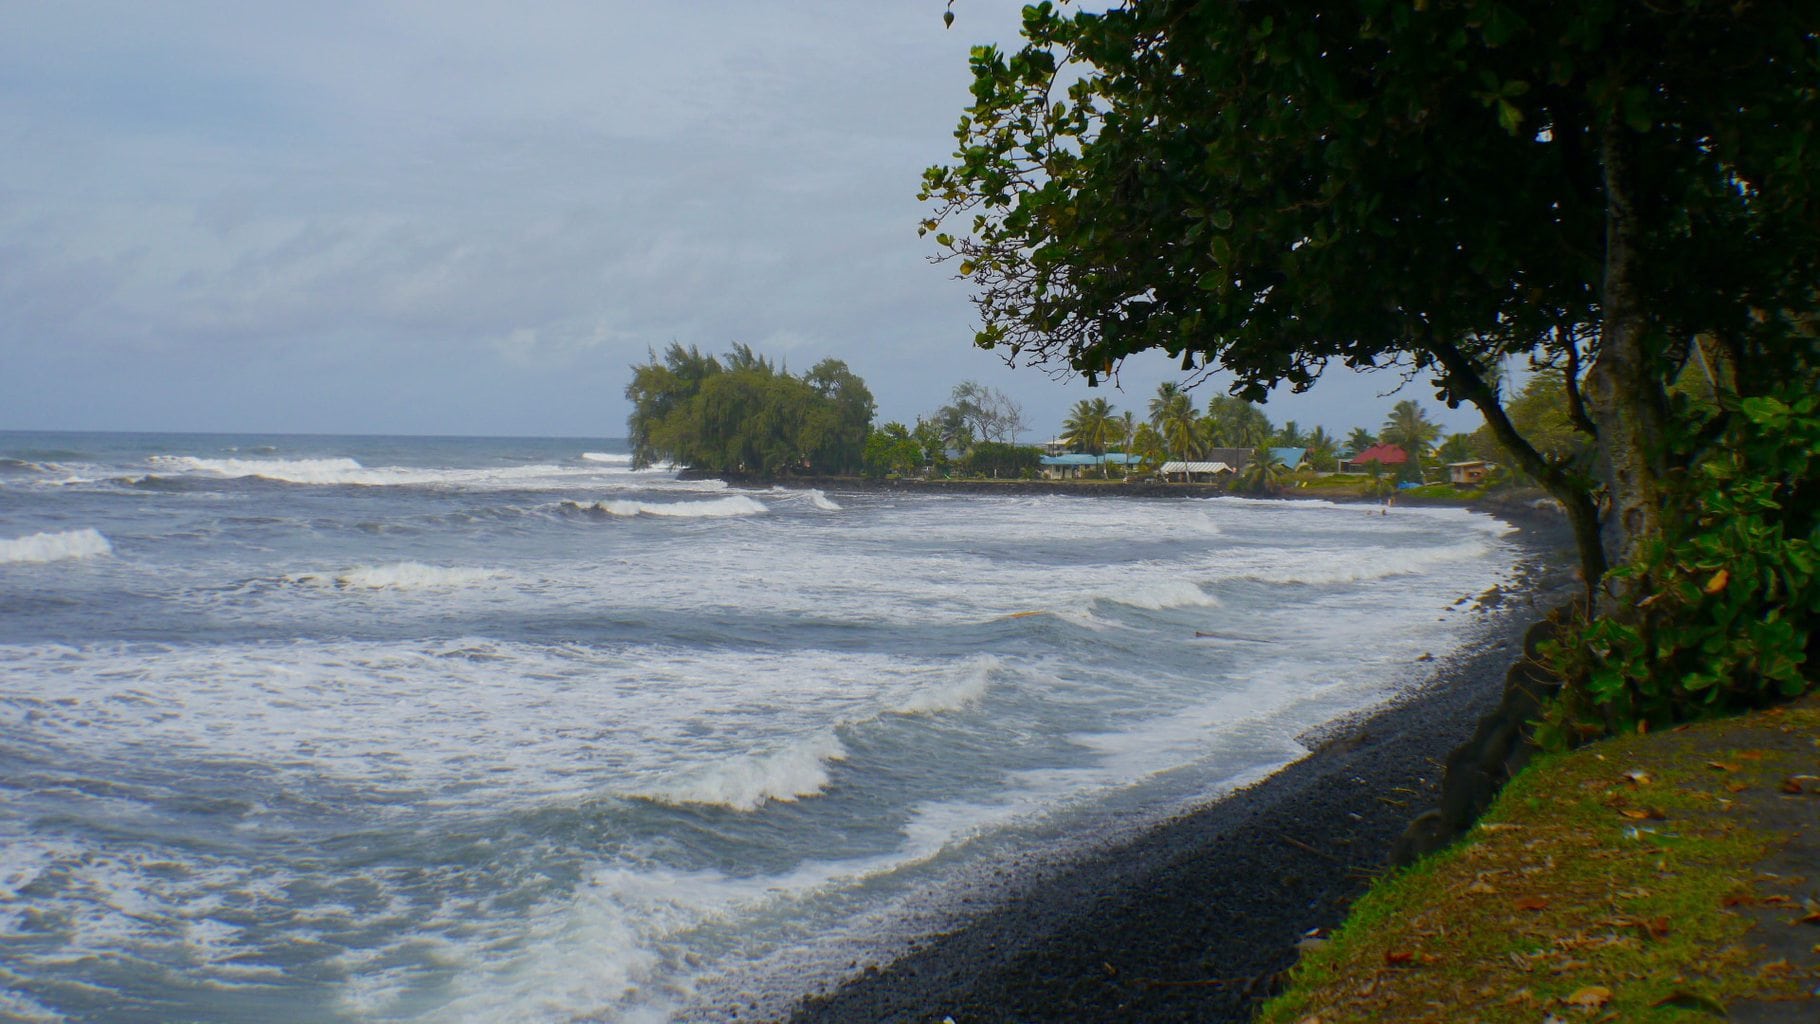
(1263, 474)
(1172, 414)
(1235, 423)
(1410, 429)
(1149, 445)
(1457, 448)
(1168, 394)
(1359, 440)
(1291, 436)
(1322, 449)
(1089, 425)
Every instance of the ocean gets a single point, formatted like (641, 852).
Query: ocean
(486, 729)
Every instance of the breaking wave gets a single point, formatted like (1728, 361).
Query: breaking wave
(398, 576)
(1339, 567)
(748, 783)
(611, 458)
(718, 508)
(1165, 594)
(295, 471)
(954, 694)
(54, 547)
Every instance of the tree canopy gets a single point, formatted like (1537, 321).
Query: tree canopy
(1271, 186)
(747, 416)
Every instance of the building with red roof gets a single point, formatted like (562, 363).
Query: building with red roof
(1385, 455)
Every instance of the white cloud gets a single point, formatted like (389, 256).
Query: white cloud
(491, 210)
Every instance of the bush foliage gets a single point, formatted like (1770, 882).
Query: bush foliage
(1728, 606)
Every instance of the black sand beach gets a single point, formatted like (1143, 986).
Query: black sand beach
(1192, 920)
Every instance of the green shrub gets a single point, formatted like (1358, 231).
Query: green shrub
(1721, 613)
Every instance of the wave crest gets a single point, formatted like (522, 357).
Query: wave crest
(395, 576)
(1167, 594)
(1358, 566)
(748, 783)
(718, 508)
(293, 471)
(968, 689)
(55, 547)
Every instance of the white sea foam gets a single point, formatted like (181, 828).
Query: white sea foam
(718, 508)
(748, 783)
(54, 547)
(823, 502)
(1166, 593)
(297, 471)
(962, 691)
(413, 576)
(611, 475)
(610, 458)
(1328, 568)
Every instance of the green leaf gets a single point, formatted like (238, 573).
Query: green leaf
(1509, 116)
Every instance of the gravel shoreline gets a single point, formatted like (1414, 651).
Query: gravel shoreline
(1193, 919)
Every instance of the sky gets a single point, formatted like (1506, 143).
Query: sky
(463, 218)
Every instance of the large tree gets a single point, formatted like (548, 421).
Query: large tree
(986, 413)
(1272, 186)
(743, 415)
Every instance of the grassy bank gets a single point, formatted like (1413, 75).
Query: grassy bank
(1663, 877)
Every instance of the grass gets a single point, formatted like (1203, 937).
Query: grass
(1604, 885)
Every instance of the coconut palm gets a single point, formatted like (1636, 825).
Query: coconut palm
(1172, 413)
(1168, 395)
(1148, 444)
(1289, 435)
(1089, 425)
(1410, 429)
(1235, 423)
(1263, 473)
(1359, 440)
(1322, 449)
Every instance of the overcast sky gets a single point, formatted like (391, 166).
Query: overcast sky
(457, 218)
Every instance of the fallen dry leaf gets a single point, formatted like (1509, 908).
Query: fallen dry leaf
(1399, 957)
(1722, 766)
(1737, 787)
(1590, 998)
(1718, 581)
(1791, 786)
(1643, 814)
(1529, 902)
(1637, 777)
(1751, 755)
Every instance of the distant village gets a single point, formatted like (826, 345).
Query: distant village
(743, 416)
(1228, 442)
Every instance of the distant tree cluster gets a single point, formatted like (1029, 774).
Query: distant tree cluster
(743, 415)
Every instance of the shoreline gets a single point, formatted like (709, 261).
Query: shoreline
(1194, 918)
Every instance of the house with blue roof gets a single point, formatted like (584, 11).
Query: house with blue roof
(1063, 467)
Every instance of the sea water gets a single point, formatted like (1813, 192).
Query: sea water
(409, 729)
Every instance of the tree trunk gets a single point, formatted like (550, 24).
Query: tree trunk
(1465, 381)
(1624, 393)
